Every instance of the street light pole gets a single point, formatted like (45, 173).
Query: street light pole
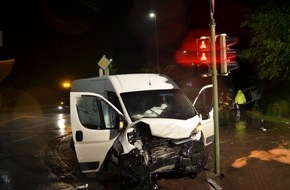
(153, 15)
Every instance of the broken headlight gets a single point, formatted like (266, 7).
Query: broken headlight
(196, 133)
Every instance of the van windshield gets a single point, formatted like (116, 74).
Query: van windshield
(158, 104)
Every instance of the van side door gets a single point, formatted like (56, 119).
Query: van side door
(203, 103)
(94, 122)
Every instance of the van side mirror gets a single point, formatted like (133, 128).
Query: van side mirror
(204, 112)
(205, 116)
(121, 122)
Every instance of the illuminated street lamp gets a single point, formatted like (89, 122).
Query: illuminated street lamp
(153, 15)
(66, 85)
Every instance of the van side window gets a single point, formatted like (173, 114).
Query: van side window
(88, 111)
(95, 113)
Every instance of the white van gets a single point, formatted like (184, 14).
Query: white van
(142, 122)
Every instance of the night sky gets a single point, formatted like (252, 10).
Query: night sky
(54, 40)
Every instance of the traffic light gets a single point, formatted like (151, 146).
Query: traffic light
(227, 55)
(203, 56)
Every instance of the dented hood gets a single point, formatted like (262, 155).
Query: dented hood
(171, 128)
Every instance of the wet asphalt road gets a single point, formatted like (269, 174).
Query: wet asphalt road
(24, 137)
(37, 153)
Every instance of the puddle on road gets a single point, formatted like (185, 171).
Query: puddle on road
(63, 124)
(277, 154)
(240, 129)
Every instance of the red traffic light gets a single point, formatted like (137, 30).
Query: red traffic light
(203, 57)
(202, 45)
(203, 49)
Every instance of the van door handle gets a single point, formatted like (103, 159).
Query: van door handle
(79, 136)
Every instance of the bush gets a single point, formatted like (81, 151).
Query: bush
(278, 108)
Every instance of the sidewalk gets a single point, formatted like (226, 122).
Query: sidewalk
(250, 158)
(254, 155)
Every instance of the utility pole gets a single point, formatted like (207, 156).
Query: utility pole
(215, 89)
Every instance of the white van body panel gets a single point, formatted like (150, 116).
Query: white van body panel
(208, 129)
(207, 124)
(100, 140)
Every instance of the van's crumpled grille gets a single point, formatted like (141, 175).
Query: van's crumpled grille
(158, 142)
(188, 157)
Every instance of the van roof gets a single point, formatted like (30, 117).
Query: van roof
(132, 82)
(140, 82)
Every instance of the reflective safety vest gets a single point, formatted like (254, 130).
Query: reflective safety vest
(240, 98)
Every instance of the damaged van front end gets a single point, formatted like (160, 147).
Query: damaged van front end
(154, 155)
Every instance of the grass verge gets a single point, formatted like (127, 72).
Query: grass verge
(258, 115)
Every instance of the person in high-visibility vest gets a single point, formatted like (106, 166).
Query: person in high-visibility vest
(240, 101)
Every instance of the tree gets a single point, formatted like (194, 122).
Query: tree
(269, 46)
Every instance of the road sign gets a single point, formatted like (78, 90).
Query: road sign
(104, 62)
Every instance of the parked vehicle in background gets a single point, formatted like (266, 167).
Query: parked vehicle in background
(142, 122)
(252, 94)
(64, 104)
